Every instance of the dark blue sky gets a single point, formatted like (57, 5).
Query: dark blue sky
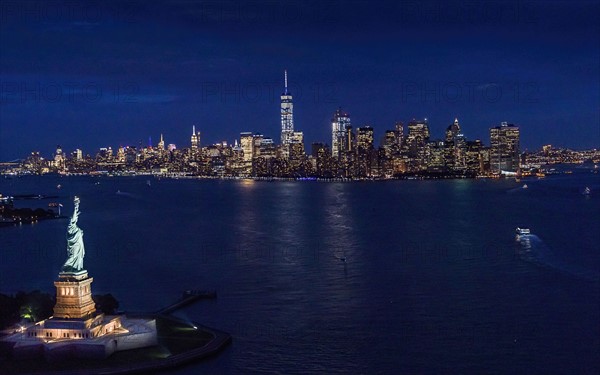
(87, 75)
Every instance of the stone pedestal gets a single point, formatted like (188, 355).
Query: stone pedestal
(74, 296)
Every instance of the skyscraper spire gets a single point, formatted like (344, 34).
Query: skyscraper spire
(193, 129)
(161, 144)
(286, 87)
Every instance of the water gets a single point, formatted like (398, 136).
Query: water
(434, 280)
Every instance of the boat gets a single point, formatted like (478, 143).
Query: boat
(525, 186)
(587, 191)
(522, 231)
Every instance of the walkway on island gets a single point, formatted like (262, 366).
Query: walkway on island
(189, 297)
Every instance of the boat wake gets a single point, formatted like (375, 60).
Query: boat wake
(128, 195)
(520, 189)
(533, 249)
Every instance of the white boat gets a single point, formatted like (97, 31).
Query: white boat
(522, 231)
(586, 191)
(525, 186)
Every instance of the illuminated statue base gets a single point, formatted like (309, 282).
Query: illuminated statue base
(74, 296)
(76, 330)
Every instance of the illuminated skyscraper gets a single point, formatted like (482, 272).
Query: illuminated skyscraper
(399, 134)
(161, 144)
(78, 154)
(287, 115)
(452, 146)
(195, 138)
(339, 124)
(416, 141)
(257, 140)
(59, 158)
(364, 149)
(364, 139)
(297, 145)
(247, 145)
(504, 153)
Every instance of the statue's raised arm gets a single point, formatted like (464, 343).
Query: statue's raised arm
(75, 216)
(75, 247)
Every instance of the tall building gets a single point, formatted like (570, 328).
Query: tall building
(473, 157)
(399, 133)
(452, 132)
(195, 138)
(504, 143)
(364, 138)
(364, 150)
(435, 156)
(416, 142)
(78, 154)
(297, 154)
(460, 153)
(161, 144)
(339, 124)
(390, 143)
(267, 148)
(257, 140)
(59, 158)
(287, 114)
(247, 145)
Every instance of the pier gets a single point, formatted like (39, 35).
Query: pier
(188, 297)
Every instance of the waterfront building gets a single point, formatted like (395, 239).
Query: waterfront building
(257, 140)
(399, 127)
(365, 148)
(435, 156)
(452, 132)
(416, 141)
(504, 148)
(247, 147)
(474, 157)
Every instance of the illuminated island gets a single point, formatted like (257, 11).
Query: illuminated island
(77, 331)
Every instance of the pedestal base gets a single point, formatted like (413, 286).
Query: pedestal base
(74, 296)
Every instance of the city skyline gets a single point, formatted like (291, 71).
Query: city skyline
(286, 131)
(353, 153)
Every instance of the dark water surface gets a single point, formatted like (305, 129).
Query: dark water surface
(434, 280)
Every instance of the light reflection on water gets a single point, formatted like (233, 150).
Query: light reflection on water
(431, 281)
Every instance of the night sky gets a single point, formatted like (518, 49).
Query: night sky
(88, 75)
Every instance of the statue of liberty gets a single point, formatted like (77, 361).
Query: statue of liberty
(75, 248)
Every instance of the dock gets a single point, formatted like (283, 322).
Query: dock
(188, 297)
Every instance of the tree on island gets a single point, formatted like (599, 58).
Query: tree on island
(35, 306)
(106, 303)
